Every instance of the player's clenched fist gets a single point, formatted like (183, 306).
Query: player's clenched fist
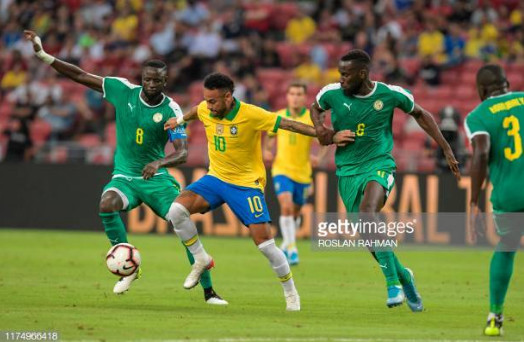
(171, 124)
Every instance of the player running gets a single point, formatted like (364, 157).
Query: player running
(139, 174)
(236, 176)
(291, 169)
(366, 168)
(493, 128)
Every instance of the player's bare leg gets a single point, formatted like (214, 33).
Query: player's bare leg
(186, 204)
(111, 204)
(263, 238)
(287, 222)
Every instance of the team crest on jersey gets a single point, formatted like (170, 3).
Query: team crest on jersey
(378, 105)
(158, 117)
(220, 129)
(233, 130)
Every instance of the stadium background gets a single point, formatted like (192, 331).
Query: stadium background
(56, 149)
(432, 48)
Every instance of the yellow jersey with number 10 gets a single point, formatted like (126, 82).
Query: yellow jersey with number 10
(292, 159)
(234, 143)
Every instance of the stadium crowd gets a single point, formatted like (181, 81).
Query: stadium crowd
(433, 48)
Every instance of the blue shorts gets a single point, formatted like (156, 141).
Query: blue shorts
(248, 204)
(286, 184)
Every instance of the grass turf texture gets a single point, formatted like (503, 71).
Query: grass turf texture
(57, 281)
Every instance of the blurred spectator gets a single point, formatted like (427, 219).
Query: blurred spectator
(327, 28)
(455, 45)
(484, 13)
(96, 12)
(307, 71)
(163, 39)
(60, 115)
(431, 42)
(206, 43)
(449, 126)
(124, 27)
(429, 71)
(19, 144)
(268, 55)
(13, 78)
(300, 28)
(194, 14)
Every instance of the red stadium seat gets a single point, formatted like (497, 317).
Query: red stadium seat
(40, 131)
(410, 65)
(6, 109)
(89, 140)
(465, 92)
(426, 165)
(468, 78)
(472, 66)
(110, 134)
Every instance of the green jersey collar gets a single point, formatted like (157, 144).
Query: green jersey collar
(232, 114)
(302, 112)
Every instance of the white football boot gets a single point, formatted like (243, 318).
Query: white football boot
(124, 283)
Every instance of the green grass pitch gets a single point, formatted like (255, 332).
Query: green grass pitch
(57, 281)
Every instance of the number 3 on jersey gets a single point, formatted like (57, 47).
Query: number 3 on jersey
(139, 136)
(517, 140)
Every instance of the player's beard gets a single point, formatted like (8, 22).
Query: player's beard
(353, 88)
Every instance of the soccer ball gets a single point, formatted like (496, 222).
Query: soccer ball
(123, 259)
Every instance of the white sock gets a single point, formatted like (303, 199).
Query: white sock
(279, 263)
(186, 231)
(287, 230)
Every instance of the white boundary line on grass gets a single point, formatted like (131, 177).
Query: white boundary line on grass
(298, 339)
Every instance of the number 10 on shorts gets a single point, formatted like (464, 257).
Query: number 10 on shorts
(255, 204)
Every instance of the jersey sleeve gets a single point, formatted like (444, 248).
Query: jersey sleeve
(180, 131)
(475, 125)
(262, 120)
(272, 133)
(323, 98)
(116, 89)
(202, 110)
(404, 99)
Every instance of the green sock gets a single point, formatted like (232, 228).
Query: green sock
(403, 274)
(205, 279)
(500, 272)
(386, 261)
(114, 227)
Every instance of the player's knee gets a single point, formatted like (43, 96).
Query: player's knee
(286, 210)
(177, 214)
(110, 202)
(368, 207)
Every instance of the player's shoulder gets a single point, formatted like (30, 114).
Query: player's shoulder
(174, 106)
(281, 112)
(332, 87)
(124, 82)
(393, 89)
(250, 109)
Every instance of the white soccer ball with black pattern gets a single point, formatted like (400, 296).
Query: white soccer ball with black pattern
(123, 259)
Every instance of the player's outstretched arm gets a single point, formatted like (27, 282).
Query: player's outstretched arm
(298, 127)
(179, 156)
(478, 172)
(69, 70)
(324, 134)
(426, 121)
(175, 122)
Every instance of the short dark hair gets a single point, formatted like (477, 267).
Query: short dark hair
(155, 63)
(357, 55)
(491, 74)
(297, 84)
(218, 80)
